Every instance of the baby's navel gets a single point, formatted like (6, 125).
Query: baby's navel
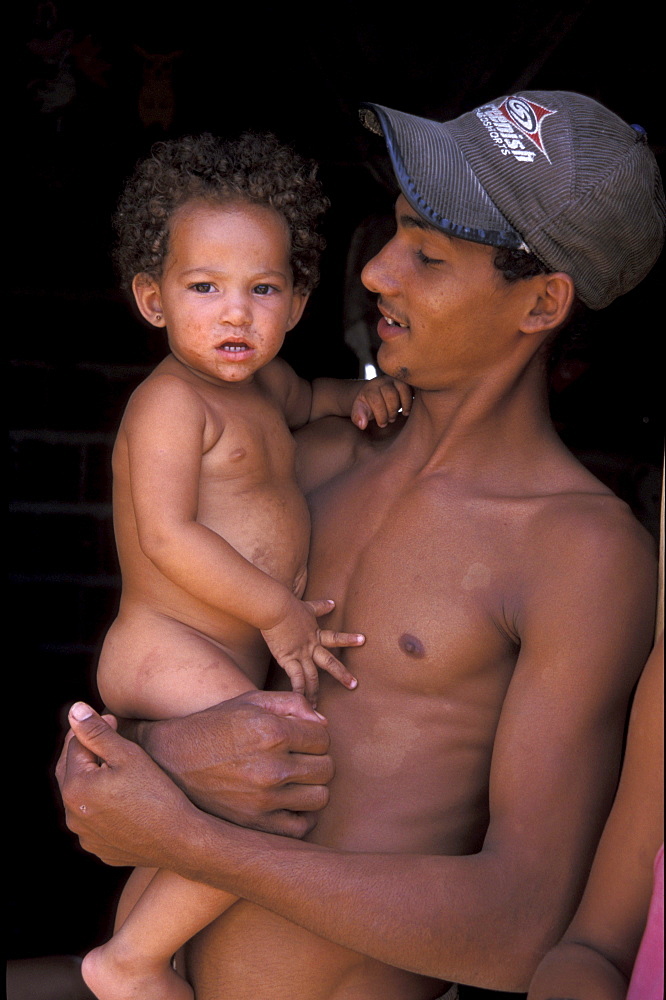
(411, 645)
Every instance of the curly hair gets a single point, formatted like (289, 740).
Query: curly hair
(254, 167)
(516, 264)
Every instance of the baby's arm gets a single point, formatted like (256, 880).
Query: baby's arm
(164, 430)
(377, 399)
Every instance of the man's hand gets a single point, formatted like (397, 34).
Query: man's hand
(260, 760)
(381, 399)
(106, 782)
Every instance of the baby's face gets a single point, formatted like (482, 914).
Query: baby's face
(226, 294)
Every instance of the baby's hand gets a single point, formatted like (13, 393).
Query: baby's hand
(380, 399)
(300, 646)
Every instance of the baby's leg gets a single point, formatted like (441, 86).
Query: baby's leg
(136, 962)
(155, 667)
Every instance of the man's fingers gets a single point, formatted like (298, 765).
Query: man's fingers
(285, 703)
(301, 736)
(308, 769)
(94, 734)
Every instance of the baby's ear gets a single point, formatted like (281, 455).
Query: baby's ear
(298, 303)
(148, 298)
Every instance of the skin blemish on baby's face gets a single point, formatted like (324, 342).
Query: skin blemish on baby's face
(411, 645)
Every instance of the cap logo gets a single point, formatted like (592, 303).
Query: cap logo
(528, 117)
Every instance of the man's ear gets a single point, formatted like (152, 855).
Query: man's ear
(552, 298)
(299, 301)
(148, 298)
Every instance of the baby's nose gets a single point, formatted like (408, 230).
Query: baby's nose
(235, 309)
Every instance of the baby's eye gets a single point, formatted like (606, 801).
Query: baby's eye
(202, 286)
(427, 260)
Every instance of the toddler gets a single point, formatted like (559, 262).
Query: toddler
(218, 240)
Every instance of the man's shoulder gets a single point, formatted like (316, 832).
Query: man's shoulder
(330, 446)
(589, 549)
(587, 519)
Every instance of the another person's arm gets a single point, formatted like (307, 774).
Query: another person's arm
(595, 958)
(485, 918)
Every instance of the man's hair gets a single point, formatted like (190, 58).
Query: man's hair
(254, 167)
(515, 264)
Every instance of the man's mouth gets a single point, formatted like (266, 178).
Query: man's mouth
(394, 322)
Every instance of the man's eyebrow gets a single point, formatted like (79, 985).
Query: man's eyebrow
(416, 222)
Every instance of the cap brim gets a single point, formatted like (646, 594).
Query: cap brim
(437, 180)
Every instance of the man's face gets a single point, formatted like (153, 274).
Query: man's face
(448, 315)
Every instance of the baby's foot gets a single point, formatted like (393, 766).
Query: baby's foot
(113, 973)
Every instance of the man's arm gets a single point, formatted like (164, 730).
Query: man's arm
(485, 918)
(596, 956)
(260, 760)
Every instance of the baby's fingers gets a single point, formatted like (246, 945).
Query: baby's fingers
(405, 393)
(332, 639)
(326, 661)
(304, 678)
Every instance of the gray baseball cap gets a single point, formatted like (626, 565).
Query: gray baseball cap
(552, 173)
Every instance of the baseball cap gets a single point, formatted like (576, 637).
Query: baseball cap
(552, 173)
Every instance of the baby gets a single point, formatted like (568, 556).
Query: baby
(218, 240)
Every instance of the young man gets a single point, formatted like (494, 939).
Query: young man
(507, 599)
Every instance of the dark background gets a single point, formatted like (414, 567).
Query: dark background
(96, 86)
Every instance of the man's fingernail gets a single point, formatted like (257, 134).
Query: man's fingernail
(319, 715)
(80, 711)
(352, 684)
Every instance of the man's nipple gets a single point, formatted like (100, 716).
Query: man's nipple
(411, 645)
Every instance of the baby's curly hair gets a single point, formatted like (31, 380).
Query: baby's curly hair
(254, 167)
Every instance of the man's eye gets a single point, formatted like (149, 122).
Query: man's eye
(202, 286)
(427, 260)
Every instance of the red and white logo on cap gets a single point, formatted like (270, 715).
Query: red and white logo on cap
(528, 117)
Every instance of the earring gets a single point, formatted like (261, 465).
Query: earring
(158, 317)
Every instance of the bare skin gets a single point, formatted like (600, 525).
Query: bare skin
(595, 958)
(212, 531)
(508, 604)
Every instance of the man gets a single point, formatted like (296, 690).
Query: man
(507, 599)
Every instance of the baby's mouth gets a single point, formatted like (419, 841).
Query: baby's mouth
(234, 347)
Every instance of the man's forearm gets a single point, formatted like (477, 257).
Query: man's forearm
(448, 917)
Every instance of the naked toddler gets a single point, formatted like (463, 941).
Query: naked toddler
(218, 240)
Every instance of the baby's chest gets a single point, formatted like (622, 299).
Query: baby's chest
(255, 446)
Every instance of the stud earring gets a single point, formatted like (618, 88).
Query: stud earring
(158, 317)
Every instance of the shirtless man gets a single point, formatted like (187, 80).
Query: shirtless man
(507, 598)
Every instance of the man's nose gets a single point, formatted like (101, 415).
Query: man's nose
(378, 275)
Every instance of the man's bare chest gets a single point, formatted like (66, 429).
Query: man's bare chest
(431, 575)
